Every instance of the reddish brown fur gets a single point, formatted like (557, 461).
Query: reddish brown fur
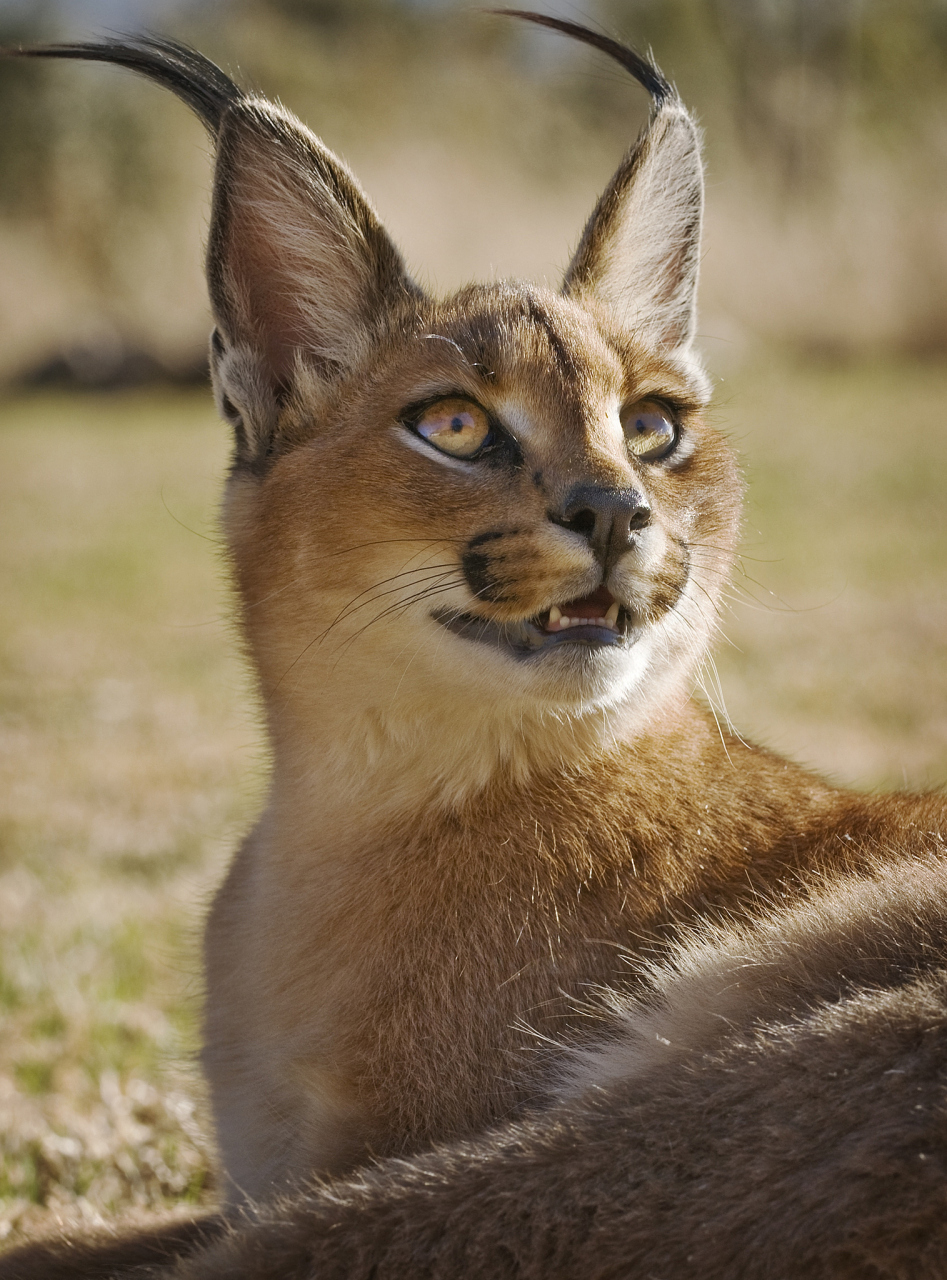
(804, 1135)
(463, 847)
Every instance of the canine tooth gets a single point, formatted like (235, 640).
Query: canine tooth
(555, 616)
(611, 616)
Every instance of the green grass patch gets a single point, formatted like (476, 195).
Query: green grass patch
(34, 1077)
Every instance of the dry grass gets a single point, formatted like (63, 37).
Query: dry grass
(131, 758)
(129, 764)
(485, 154)
(839, 631)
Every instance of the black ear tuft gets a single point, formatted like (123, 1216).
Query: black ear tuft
(643, 69)
(640, 250)
(196, 80)
(303, 278)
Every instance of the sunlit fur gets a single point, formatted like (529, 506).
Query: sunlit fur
(465, 849)
(345, 540)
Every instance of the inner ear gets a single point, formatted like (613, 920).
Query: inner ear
(246, 399)
(299, 265)
(640, 250)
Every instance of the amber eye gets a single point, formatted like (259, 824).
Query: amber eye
(650, 432)
(458, 427)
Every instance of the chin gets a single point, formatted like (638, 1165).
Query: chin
(569, 678)
(578, 677)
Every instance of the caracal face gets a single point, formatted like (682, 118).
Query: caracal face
(514, 501)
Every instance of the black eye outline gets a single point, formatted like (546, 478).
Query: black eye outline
(669, 414)
(411, 417)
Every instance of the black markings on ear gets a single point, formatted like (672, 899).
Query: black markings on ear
(207, 90)
(643, 69)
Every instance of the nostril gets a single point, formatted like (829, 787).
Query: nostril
(640, 518)
(583, 522)
(607, 518)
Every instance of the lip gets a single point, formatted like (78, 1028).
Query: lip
(527, 639)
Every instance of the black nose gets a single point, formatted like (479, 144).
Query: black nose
(607, 517)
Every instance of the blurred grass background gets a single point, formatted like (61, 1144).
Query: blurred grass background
(130, 764)
(131, 758)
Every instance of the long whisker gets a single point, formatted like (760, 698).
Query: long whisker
(399, 606)
(347, 611)
(739, 555)
(384, 542)
(710, 599)
(288, 586)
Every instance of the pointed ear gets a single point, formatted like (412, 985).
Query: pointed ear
(298, 264)
(639, 253)
(302, 275)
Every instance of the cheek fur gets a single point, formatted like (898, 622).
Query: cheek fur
(650, 577)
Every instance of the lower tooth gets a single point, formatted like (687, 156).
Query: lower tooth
(562, 623)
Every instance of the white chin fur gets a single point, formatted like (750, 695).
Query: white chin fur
(412, 714)
(414, 659)
(568, 679)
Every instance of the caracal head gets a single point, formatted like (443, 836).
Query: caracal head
(506, 499)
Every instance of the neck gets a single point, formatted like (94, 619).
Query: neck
(339, 767)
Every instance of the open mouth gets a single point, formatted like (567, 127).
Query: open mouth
(599, 612)
(595, 621)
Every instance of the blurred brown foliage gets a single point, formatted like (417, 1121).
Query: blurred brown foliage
(484, 144)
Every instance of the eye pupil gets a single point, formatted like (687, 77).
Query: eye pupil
(457, 424)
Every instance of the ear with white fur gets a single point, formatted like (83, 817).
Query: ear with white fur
(640, 250)
(299, 267)
(297, 261)
(302, 275)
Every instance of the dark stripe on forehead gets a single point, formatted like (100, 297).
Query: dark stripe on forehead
(561, 352)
